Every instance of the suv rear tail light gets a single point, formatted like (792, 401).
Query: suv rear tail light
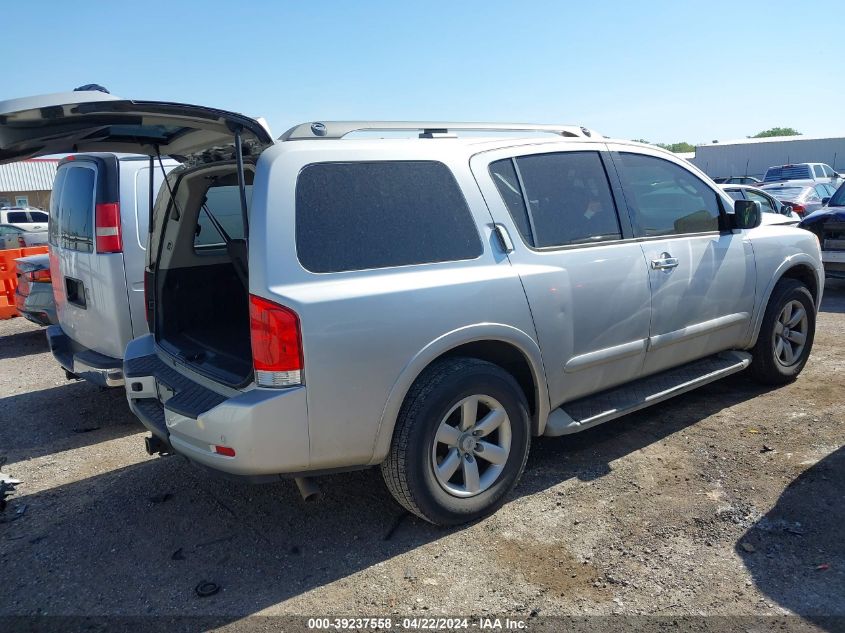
(39, 276)
(107, 229)
(276, 344)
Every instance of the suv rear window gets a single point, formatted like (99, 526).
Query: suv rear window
(363, 215)
(76, 210)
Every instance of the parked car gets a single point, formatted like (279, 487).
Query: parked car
(808, 173)
(428, 305)
(771, 206)
(738, 180)
(24, 218)
(828, 224)
(12, 236)
(804, 199)
(34, 292)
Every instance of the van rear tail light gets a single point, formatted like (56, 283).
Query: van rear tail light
(107, 228)
(276, 343)
(40, 276)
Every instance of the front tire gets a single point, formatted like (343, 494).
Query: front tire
(460, 443)
(786, 334)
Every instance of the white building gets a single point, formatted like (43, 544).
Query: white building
(752, 156)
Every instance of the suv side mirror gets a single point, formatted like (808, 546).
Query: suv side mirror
(748, 214)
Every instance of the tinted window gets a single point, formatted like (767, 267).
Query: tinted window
(787, 172)
(17, 217)
(569, 198)
(507, 182)
(224, 203)
(55, 197)
(838, 199)
(76, 210)
(666, 198)
(38, 216)
(355, 216)
(765, 203)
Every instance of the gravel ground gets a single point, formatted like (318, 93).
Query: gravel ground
(726, 501)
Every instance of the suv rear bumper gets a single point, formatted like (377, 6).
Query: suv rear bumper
(267, 428)
(83, 362)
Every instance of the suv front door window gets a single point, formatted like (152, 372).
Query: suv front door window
(702, 281)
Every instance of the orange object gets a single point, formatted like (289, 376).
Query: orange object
(9, 277)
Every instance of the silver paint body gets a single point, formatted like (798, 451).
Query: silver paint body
(585, 318)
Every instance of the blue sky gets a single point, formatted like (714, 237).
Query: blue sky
(663, 71)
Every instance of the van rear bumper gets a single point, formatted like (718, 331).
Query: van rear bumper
(266, 428)
(83, 362)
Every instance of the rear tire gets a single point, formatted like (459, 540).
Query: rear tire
(786, 334)
(460, 443)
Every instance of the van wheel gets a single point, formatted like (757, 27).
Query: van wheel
(786, 335)
(460, 443)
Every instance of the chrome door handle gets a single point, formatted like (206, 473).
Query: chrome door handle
(665, 262)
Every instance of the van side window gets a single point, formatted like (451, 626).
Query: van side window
(76, 210)
(364, 215)
(665, 198)
(55, 196)
(569, 198)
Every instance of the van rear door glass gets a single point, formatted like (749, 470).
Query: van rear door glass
(76, 226)
(55, 197)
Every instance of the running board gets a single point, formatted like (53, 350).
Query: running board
(587, 412)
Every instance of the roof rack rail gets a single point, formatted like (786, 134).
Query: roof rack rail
(428, 129)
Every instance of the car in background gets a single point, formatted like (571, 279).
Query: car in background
(828, 225)
(803, 198)
(808, 172)
(34, 293)
(25, 218)
(770, 205)
(12, 236)
(738, 180)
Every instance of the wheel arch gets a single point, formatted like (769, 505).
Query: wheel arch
(803, 269)
(506, 346)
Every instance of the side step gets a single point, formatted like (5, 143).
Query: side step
(582, 414)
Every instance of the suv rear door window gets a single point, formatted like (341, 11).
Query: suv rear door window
(666, 199)
(364, 215)
(76, 210)
(17, 217)
(568, 195)
(224, 203)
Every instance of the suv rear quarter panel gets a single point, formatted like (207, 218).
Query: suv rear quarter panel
(367, 334)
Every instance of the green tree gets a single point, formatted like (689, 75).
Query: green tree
(777, 131)
(683, 146)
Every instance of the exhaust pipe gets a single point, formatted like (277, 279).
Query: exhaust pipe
(307, 488)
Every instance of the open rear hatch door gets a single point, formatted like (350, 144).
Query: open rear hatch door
(93, 121)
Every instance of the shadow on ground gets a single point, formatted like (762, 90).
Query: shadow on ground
(798, 547)
(22, 344)
(137, 540)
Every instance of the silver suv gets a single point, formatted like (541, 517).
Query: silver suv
(342, 298)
